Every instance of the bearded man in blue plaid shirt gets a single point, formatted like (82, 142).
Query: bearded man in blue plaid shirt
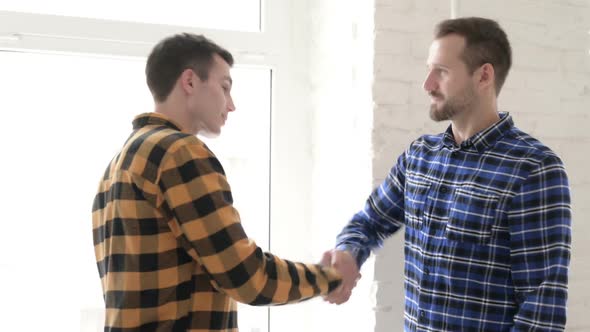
(486, 207)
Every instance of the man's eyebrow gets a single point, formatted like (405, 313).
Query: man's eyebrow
(436, 65)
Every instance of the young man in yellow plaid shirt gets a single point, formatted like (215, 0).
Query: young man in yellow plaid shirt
(170, 249)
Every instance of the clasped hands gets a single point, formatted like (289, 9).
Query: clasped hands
(345, 264)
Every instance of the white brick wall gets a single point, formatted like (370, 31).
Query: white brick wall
(547, 92)
(335, 43)
(401, 115)
(365, 62)
(341, 70)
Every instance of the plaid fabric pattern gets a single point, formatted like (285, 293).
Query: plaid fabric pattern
(487, 231)
(170, 249)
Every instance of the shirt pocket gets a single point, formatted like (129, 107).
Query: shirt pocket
(472, 214)
(415, 201)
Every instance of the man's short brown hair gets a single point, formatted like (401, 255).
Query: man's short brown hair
(171, 56)
(485, 42)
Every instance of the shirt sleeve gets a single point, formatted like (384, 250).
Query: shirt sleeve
(382, 215)
(540, 237)
(196, 194)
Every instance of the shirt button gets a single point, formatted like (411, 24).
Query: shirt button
(422, 316)
(444, 189)
(426, 271)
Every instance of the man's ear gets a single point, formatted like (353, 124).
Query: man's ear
(486, 76)
(187, 80)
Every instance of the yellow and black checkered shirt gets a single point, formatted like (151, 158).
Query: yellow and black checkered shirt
(169, 245)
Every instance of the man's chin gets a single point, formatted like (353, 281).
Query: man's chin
(436, 114)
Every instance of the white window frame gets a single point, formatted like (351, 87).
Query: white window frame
(274, 46)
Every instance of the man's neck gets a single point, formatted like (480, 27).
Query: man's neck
(469, 124)
(173, 109)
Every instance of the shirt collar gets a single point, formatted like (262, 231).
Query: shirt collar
(154, 119)
(483, 139)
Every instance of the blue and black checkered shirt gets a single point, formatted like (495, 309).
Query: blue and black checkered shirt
(488, 231)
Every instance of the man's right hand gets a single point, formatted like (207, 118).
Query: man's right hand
(346, 265)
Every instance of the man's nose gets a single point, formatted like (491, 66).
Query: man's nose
(429, 84)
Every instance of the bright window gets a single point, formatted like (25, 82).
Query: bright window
(238, 15)
(102, 94)
(64, 118)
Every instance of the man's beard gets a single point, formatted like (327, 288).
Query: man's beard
(452, 106)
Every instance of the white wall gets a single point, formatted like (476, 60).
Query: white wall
(334, 46)
(547, 92)
(341, 71)
(403, 32)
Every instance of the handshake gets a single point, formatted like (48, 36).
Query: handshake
(345, 264)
